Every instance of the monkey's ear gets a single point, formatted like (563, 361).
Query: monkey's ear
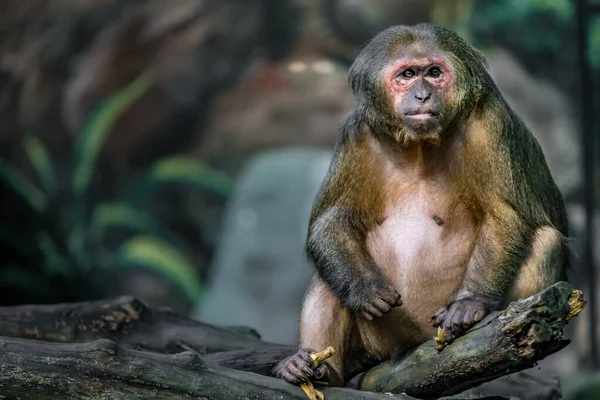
(352, 127)
(478, 67)
(357, 76)
(473, 69)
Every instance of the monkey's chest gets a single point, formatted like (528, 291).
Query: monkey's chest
(423, 245)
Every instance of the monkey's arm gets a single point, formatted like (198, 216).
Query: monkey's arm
(336, 246)
(501, 247)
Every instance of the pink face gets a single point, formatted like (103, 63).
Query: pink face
(419, 87)
(403, 73)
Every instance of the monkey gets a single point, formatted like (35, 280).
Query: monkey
(437, 209)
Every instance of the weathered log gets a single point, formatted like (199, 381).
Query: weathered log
(504, 342)
(104, 370)
(127, 321)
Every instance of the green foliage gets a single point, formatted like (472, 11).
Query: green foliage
(180, 170)
(540, 33)
(147, 244)
(107, 216)
(582, 387)
(594, 43)
(42, 163)
(99, 126)
(163, 258)
(18, 182)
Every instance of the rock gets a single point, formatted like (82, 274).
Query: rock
(260, 270)
(524, 385)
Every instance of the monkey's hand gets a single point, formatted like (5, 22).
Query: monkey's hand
(373, 304)
(297, 368)
(459, 316)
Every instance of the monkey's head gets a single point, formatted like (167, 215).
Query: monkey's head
(414, 81)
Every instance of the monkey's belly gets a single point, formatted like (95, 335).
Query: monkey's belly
(423, 251)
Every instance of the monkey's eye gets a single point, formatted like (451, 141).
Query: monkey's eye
(435, 72)
(408, 73)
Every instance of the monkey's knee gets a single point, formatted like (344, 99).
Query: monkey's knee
(545, 265)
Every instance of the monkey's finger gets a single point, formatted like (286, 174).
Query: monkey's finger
(479, 315)
(449, 317)
(439, 317)
(373, 311)
(452, 324)
(469, 317)
(322, 373)
(295, 371)
(304, 353)
(301, 365)
(381, 305)
(457, 320)
(392, 297)
(285, 375)
(365, 314)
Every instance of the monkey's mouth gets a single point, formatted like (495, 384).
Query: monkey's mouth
(421, 116)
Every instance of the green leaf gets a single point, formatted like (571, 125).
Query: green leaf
(190, 171)
(41, 161)
(16, 180)
(109, 215)
(165, 259)
(99, 126)
(594, 42)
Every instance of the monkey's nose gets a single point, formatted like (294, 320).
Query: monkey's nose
(422, 95)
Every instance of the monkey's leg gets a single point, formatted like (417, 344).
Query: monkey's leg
(323, 322)
(506, 257)
(546, 265)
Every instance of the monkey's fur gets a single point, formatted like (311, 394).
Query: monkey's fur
(438, 193)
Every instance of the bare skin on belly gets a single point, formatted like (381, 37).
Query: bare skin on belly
(422, 247)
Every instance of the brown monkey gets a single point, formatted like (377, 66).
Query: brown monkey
(437, 192)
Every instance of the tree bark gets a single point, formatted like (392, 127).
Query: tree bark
(504, 342)
(122, 357)
(104, 370)
(127, 321)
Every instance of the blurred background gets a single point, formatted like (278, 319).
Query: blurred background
(171, 150)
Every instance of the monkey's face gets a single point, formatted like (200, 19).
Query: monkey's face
(419, 87)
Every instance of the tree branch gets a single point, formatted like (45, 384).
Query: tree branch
(126, 321)
(504, 342)
(223, 362)
(103, 370)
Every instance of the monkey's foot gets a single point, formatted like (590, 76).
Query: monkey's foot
(298, 368)
(458, 317)
(379, 303)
